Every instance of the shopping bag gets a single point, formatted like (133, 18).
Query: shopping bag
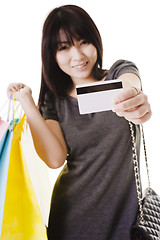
(22, 219)
(5, 147)
(38, 172)
(4, 125)
(3, 128)
(6, 134)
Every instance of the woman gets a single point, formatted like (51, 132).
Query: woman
(95, 194)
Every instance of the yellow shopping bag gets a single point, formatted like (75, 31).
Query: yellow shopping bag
(22, 219)
(38, 172)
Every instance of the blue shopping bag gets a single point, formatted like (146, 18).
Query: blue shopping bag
(5, 147)
(6, 135)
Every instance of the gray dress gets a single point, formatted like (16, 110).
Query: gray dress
(94, 197)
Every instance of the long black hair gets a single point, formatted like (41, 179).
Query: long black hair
(75, 23)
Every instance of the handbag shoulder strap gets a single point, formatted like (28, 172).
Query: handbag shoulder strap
(146, 159)
(137, 168)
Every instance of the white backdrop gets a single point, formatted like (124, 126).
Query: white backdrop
(129, 30)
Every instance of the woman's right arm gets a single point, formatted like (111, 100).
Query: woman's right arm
(47, 135)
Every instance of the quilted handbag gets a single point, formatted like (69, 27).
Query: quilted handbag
(147, 223)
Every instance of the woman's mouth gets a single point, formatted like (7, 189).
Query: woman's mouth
(80, 66)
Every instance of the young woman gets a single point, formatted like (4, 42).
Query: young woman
(95, 194)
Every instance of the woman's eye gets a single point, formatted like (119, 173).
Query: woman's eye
(84, 42)
(63, 47)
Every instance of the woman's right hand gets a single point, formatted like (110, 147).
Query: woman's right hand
(20, 90)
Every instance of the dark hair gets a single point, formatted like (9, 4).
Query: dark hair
(76, 23)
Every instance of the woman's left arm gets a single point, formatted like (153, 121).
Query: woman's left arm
(132, 103)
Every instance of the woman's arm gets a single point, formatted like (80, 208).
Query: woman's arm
(132, 103)
(47, 135)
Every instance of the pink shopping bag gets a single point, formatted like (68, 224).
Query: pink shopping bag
(3, 128)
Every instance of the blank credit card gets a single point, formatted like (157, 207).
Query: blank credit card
(97, 96)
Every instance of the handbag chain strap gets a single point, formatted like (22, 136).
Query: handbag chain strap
(137, 169)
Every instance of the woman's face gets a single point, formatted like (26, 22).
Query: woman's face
(77, 59)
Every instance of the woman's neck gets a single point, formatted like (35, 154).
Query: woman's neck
(72, 93)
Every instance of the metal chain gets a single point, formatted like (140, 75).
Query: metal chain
(136, 172)
(137, 169)
(146, 160)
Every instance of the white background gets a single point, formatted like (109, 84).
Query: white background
(129, 30)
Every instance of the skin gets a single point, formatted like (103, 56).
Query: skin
(78, 61)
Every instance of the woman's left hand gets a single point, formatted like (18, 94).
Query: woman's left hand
(133, 105)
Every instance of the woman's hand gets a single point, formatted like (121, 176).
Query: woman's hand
(20, 91)
(133, 105)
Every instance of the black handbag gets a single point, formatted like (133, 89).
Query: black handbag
(147, 223)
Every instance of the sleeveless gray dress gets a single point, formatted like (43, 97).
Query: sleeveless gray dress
(94, 197)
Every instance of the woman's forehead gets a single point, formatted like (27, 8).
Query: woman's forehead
(65, 36)
(62, 36)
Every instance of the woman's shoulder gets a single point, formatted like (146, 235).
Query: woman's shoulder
(120, 67)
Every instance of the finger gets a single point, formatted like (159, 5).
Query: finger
(13, 87)
(10, 91)
(18, 86)
(126, 94)
(137, 89)
(130, 104)
(141, 120)
(138, 112)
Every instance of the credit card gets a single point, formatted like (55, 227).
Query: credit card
(97, 96)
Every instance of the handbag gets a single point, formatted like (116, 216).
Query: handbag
(147, 223)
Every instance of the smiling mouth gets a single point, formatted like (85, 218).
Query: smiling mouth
(80, 66)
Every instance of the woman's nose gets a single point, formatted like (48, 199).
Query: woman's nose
(77, 54)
